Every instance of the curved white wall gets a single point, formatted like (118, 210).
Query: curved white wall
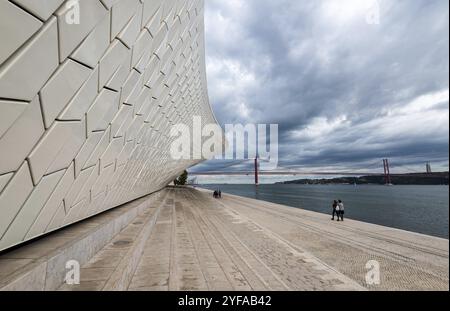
(86, 109)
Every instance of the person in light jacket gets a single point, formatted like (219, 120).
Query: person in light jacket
(341, 210)
(337, 211)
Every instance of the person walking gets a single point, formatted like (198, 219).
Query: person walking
(341, 210)
(335, 203)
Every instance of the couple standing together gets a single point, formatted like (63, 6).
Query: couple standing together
(338, 210)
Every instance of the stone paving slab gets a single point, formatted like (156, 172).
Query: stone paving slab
(407, 260)
(202, 244)
(241, 244)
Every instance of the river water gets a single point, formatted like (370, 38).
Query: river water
(423, 209)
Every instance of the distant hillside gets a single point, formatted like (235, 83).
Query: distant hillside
(440, 178)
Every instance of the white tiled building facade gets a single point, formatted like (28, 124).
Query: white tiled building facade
(86, 108)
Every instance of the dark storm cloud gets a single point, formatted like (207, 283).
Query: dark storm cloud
(344, 92)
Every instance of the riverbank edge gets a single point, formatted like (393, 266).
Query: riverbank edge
(418, 234)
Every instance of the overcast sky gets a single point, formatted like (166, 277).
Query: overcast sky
(347, 86)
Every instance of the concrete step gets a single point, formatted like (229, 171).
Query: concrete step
(112, 268)
(41, 264)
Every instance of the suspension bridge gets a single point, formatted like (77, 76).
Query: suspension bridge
(283, 171)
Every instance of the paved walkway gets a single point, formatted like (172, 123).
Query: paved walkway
(199, 243)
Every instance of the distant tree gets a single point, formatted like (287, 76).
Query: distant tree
(182, 180)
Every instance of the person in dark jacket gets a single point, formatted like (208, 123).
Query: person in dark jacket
(335, 204)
